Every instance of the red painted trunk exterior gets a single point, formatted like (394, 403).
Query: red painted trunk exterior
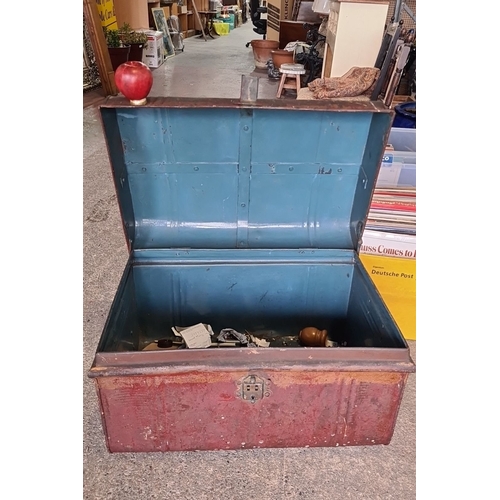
(204, 410)
(235, 398)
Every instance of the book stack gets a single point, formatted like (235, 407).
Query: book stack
(388, 250)
(391, 227)
(393, 210)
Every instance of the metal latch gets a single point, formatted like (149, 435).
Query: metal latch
(252, 388)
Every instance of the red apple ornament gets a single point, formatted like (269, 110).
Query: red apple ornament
(134, 80)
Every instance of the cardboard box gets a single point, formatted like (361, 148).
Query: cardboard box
(176, 9)
(276, 11)
(154, 54)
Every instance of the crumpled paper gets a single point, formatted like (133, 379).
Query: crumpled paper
(196, 336)
(259, 342)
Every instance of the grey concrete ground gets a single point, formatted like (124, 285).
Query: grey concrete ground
(211, 68)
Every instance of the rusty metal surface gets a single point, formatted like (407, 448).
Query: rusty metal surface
(179, 361)
(296, 397)
(199, 102)
(206, 411)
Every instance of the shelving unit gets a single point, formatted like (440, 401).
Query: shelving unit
(137, 13)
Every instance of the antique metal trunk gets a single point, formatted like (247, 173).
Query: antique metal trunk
(247, 216)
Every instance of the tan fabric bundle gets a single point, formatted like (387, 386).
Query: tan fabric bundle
(357, 81)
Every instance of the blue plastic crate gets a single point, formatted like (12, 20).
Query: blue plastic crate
(229, 20)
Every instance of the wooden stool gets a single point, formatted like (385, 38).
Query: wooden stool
(290, 72)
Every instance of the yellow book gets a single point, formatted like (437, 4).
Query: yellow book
(395, 279)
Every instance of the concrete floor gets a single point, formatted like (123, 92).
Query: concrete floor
(211, 68)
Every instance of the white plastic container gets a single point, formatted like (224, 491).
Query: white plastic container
(398, 167)
(321, 6)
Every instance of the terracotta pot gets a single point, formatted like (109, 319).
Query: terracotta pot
(312, 337)
(262, 52)
(282, 57)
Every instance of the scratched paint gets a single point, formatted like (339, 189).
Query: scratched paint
(195, 411)
(275, 226)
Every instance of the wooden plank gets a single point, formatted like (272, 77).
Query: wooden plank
(93, 98)
(96, 35)
(197, 14)
(327, 62)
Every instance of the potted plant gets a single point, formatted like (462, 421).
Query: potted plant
(136, 39)
(118, 51)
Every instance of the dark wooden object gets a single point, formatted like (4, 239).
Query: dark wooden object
(384, 69)
(96, 35)
(295, 29)
(197, 14)
(291, 31)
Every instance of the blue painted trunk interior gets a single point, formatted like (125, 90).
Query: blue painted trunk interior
(245, 218)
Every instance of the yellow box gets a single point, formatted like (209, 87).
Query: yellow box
(221, 28)
(107, 15)
(395, 279)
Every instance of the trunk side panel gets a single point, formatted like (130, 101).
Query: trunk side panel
(205, 411)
